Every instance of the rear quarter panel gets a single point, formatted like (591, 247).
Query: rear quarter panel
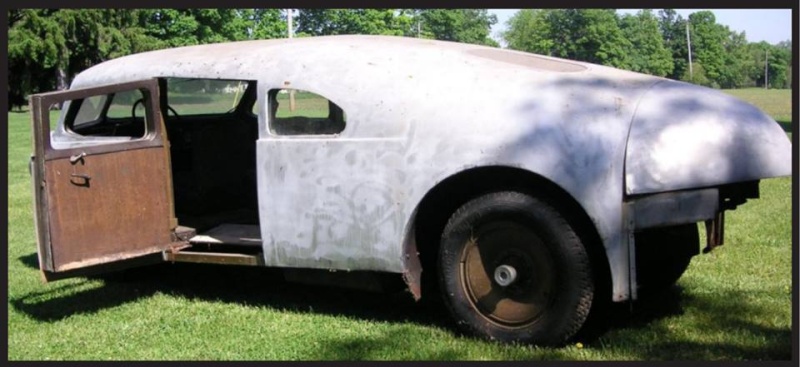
(347, 202)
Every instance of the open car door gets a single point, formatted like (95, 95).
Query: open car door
(103, 191)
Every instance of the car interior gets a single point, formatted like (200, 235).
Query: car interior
(212, 128)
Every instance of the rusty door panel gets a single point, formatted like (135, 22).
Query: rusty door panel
(116, 213)
(99, 203)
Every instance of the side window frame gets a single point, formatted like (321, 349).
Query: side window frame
(59, 141)
(244, 103)
(303, 126)
(74, 107)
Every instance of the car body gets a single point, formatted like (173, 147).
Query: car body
(413, 130)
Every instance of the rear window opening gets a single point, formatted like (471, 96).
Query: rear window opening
(298, 112)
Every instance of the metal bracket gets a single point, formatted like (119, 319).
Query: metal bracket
(715, 232)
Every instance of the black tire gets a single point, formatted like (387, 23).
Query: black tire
(663, 255)
(552, 294)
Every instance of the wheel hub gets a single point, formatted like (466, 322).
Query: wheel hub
(505, 275)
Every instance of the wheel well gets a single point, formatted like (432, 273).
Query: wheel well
(446, 197)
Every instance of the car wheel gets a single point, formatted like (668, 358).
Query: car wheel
(663, 255)
(512, 269)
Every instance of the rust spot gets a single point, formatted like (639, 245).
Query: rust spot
(122, 213)
(412, 275)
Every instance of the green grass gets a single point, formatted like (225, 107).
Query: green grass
(775, 102)
(733, 304)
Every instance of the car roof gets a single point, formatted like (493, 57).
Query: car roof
(320, 57)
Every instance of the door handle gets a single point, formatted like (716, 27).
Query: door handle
(76, 179)
(77, 157)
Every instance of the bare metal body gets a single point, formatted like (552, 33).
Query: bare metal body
(633, 151)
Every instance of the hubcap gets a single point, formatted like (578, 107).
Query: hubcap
(507, 274)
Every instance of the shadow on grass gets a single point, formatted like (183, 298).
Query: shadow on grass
(626, 329)
(727, 313)
(254, 286)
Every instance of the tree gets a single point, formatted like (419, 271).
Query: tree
(321, 22)
(459, 25)
(673, 33)
(784, 49)
(591, 35)
(697, 75)
(779, 59)
(34, 45)
(185, 27)
(647, 52)
(708, 38)
(529, 30)
(733, 72)
(47, 45)
(267, 23)
(601, 39)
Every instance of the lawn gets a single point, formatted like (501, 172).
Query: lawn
(775, 102)
(734, 303)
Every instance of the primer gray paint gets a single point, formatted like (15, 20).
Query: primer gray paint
(419, 111)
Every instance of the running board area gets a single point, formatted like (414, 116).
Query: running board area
(226, 244)
(214, 258)
(230, 234)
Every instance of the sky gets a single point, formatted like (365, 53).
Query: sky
(771, 25)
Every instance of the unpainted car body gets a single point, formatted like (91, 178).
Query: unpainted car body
(429, 127)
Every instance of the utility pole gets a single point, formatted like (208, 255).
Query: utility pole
(289, 21)
(766, 70)
(689, 45)
(291, 91)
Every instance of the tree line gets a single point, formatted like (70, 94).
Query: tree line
(48, 47)
(655, 44)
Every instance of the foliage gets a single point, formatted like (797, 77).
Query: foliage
(323, 22)
(780, 65)
(47, 47)
(459, 25)
(697, 75)
(34, 47)
(656, 45)
(707, 39)
(591, 35)
(267, 23)
(647, 53)
(529, 30)
(673, 32)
